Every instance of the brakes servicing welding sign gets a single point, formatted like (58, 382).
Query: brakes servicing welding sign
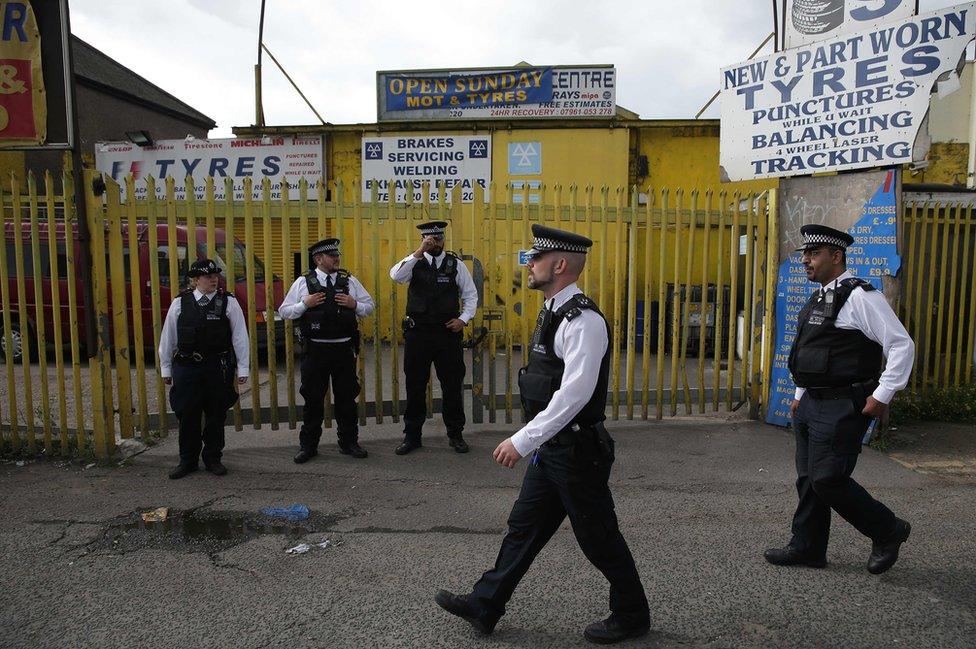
(851, 102)
(404, 162)
(516, 93)
(287, 158)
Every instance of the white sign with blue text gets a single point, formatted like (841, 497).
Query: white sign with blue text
(851, 102)
(805, 21)
(444, 162)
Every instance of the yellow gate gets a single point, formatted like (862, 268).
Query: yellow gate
(681, 277)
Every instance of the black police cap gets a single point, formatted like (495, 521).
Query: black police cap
(433, 228)
(203, 267)
(816, 236)
(328, 246)
(548, 239)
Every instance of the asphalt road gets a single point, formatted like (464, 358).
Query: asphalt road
(698, 501)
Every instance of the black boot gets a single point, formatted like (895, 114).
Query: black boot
(459, 605)
(610, 631)
(884, 555)
(352, 448)
(790, 556)
(182, 470)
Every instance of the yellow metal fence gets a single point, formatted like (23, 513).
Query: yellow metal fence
(680, 276)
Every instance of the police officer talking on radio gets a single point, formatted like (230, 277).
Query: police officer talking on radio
(202, 348)
(328, 301)
(836, 361)
(441, 300)
(564, 394)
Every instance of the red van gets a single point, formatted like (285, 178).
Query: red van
(164, 296)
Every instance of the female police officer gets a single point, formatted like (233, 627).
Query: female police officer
(204, 337)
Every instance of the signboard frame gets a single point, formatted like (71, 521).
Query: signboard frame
(785, 13)
(385, 115)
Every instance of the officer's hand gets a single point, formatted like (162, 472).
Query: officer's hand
(347, 301)
(313, 299)
(241, 380)
(455, 325)
(426, 245)
(793, 406)
(874, 408)
(168, 380)
(505, 454)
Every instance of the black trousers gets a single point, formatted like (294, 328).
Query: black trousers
(322, 363)
(423, 345)
(567, 480)
(202, 390)
(828, 441)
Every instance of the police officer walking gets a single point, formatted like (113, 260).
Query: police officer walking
(327, 301)
(433, 333)
(204, 339)
(844, 331)
(564, 394)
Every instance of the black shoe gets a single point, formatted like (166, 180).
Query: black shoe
(609, 631)
(353, 449)
(304, 456)
(458, 444)
(182, 470)
(217, 468)
(790, 556)
(884, 555)
(459, 605)
(407, 446)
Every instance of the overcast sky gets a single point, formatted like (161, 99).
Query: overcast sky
(203, 51)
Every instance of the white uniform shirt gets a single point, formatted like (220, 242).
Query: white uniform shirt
(402, 271)
(292, 307)
(869, 313)
(238, 331)
(581, 343)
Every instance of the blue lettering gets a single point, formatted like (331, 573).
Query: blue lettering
(219, 165)
(163, 166)
(272, 165)
(14, 18)
(914, 57)
(245, 165)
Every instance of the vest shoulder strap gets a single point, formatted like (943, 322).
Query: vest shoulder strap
(312, 282)
(853, 282)
(575, 306)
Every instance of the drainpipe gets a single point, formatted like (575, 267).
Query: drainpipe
(971, 177)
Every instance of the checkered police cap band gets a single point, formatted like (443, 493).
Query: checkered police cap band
(433, 230)
(327, 248)
(812, 240)
(544, 243)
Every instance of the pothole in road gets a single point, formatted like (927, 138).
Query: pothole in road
(207, 531)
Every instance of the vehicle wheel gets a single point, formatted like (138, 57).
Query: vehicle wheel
(16, 340)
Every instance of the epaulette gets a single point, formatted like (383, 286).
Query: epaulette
(575, 306)
(853, 282)
(453, 254)
(342, 272)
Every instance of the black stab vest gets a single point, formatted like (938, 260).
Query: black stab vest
(433, 296)
(540, 379)
(203, 329)
(329, 319)
(824, 356)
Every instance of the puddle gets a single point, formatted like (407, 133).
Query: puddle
(204, 530)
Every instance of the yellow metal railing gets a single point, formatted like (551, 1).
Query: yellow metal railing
(938, 298)
(666, 270)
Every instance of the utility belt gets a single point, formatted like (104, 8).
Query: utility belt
(854, 391)
(198, 358)
(576, 434)
(411, 323)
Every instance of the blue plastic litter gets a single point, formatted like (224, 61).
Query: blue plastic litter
(293, 513)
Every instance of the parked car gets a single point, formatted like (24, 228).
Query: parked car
(163, 296)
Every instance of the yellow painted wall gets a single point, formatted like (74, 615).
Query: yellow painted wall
(687, 157)
(12, 162)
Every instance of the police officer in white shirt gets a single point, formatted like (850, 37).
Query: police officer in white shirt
(564, 394)
(844, 330)
(204, 339)
(441, 300)
(328, 301)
